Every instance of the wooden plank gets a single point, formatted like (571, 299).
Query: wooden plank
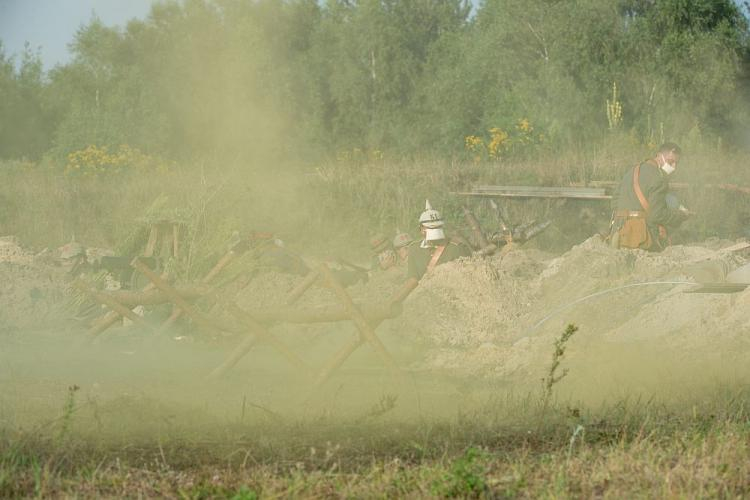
(719, 288)
(572, 192)
(538, 189)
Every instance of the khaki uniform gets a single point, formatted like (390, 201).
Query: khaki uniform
(638, 226)
(420, 257)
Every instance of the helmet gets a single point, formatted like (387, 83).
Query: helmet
(378, 242)
(401, 240)
(430, 218)
(71, 250)
(434, 234)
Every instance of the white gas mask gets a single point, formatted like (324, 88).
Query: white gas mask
(667, 167)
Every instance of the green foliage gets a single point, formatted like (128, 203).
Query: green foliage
(466, 478)
(26, 120)
(552, 376)
(233, 80)
(66, 419)
(245, 493)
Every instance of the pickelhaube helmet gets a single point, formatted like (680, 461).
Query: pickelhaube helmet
(430, 218)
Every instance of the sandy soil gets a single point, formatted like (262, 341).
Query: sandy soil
(494, 317)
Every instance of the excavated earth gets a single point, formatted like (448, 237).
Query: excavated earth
(32, 289)
(493, 317)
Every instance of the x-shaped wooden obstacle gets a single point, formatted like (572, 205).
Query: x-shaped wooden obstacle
(365, 317)
(254, 324)
(121, 303)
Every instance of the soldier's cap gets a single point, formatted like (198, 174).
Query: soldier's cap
(378, 242)
(401, 240)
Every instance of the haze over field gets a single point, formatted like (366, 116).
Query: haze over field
(242, 150)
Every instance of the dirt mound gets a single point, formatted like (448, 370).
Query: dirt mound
(493, 317)
(499, 316)
(32, 290)
(11, 251)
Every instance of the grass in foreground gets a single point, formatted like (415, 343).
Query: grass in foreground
(527, 449)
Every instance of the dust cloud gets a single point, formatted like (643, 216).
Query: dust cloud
(473, 330)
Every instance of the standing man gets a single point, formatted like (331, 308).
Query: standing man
(435, 248)
(644, 212)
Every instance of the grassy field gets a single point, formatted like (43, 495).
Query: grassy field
(149, 426)
(502, 444)
(515, 449)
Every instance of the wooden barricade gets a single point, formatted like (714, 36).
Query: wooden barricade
(366, 317)
(255, 324)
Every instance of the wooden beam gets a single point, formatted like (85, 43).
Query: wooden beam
(113, 304)
(176, 298)
(363, 326)
(218, 267)
(302, 287)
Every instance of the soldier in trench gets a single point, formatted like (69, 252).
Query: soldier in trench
(644, 211)
(434, 248)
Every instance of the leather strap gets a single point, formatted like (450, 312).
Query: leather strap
(637, 188)
(435, 257)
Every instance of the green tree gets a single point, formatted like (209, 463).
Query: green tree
(26, 124)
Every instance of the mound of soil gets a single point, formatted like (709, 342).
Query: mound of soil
(499, 316)
(32, 290)
(488, 317)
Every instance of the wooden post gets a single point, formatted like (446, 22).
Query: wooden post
(247, 343)
(356, 315)
(266, 336)
(111, 317)
(403, 292)
(300, 289)
(476, 229)
(221, 264)
(174, 296)
(338, 360)
(222, 297)
(112, 304)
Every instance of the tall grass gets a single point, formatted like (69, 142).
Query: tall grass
(342, 203)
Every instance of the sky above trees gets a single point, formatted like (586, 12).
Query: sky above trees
(50, 25)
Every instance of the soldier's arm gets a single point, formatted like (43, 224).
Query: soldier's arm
(655, 188)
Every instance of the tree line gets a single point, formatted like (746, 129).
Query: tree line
(301, 79)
